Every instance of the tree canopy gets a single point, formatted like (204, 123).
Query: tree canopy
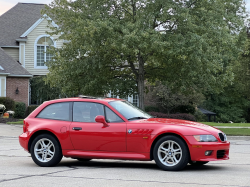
(115, 45)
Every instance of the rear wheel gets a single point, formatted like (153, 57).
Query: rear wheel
(171, 153)
(46, 150)
(197, 163)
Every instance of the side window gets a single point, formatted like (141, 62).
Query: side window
(86, 112)
(57, 111)
(111, 117)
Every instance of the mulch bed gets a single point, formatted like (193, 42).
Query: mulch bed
(5, 120)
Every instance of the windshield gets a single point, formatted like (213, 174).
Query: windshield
(129, 111)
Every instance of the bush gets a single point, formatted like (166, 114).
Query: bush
(30, 109)
(151, 109)
(199, 116)
(8, 103)
(187, 109)
(189, 117)
(20, 110)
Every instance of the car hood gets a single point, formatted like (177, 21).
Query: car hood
(166, 121)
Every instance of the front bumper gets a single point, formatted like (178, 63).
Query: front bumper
(220, 150)
(24, 140)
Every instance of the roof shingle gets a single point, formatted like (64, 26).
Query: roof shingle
(9, 65)
(17, 20)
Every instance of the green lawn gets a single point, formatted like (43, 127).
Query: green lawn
(20, 122)
(236, 131)
(227, 124)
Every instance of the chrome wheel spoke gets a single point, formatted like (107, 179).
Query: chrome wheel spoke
(50, 153)
(44, 150)
(171, 155)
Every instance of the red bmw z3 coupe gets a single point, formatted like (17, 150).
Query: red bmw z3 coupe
(86, 128)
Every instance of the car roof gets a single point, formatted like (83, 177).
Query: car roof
(87, 99)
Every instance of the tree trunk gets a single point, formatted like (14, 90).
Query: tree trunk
(140, 82)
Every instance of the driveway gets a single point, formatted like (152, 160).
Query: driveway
(18, 169)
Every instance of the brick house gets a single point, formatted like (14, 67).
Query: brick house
(23, 45)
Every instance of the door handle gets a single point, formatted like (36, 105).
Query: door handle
(77, 128)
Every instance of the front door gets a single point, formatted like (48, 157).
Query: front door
(88, 135)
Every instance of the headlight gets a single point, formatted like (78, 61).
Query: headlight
(205, 138)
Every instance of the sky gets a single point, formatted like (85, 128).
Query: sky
(5, 5)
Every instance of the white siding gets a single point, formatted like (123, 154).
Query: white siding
(13, 52)
(29, 48)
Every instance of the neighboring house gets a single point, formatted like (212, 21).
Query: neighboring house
(23, 45)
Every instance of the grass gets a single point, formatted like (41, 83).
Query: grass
(20, 122)
(236, 131)
(227, 124)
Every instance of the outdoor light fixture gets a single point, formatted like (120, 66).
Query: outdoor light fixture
(17, 91)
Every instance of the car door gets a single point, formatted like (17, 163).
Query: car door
(88, 135)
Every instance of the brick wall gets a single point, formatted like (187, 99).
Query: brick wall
(23, 86)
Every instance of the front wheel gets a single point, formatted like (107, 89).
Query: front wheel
(46, 150)
(171, 153)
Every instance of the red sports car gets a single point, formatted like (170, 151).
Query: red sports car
(103, 128)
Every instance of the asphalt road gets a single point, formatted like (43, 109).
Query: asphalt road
(18, 169)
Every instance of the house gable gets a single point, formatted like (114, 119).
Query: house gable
(40, 30)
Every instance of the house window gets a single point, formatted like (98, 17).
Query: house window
(42, 46)
(135, 100)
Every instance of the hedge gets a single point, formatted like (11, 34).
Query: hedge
(151, 109)
(20, 110)
(189, 117)
(30, 109)
(8, 103)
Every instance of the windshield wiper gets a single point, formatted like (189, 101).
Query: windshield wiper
(137, 118)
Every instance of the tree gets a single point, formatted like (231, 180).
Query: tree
(233, 103)
(118, 44)
(167, 99)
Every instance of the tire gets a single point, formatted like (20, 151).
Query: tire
(83, 159)
(46, 150)
(197, 163)
(171, 153)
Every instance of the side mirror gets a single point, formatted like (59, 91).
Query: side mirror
(101, 119)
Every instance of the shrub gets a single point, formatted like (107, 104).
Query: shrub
(187, 109)
(8, 103)
(151, 109)
(20, 110)
(199, 116)
(189, 117)
(30, 109)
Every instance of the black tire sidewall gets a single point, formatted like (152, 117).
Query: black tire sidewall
(185, 153)
(58, 151)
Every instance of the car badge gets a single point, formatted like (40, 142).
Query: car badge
(129, 131)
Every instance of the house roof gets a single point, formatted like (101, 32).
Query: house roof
(204, 111)
(17, 20)
(10, 66)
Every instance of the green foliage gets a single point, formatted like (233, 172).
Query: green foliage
(8, 103)
(172, 101)
(199, 116)
(40, 91)
(151, 109)
(20, 110)
(188, 109)
(30, 109)
(228, 106)
(233, 103)
(116, 45)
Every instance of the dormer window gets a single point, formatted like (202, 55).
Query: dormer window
(41, 48)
